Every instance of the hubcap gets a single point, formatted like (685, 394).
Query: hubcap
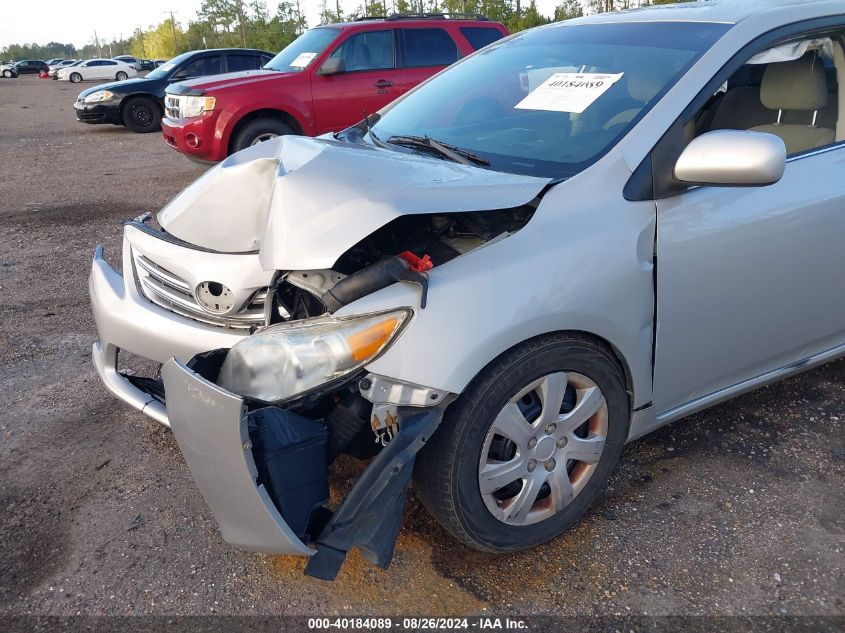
(558, 422)
(142, 115)
(263, 137)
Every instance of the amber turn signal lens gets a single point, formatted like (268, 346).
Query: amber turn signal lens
(368, 342)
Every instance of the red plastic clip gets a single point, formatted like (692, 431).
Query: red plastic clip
(417, 264)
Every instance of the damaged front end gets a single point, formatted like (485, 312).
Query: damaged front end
(273, 289)
(263, 469)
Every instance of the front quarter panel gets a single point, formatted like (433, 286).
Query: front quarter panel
(583, 263)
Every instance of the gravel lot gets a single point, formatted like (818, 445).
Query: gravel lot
(738, 510)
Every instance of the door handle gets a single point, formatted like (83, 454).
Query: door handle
(383, 83)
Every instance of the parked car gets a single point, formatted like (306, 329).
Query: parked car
(8, 71)
(139, 103)
(31, 66)
(322, 82)
(92, 69)
(589, 230)
(128, 59)
(146, 64)
(54, 60)
(159, 62)
(54, 68)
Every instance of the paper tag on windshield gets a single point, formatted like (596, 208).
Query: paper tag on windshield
(568, 92)
(302, 60)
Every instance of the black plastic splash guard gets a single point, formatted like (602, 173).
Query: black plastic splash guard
(371, 514)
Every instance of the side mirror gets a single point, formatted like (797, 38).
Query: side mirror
(732, 158)
(180, 76)
(333, 66)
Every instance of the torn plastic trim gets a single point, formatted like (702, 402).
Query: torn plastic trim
(210, 427)
(370, 516)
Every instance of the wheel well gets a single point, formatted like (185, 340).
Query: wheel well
(152, 98)
(598, 340)
(269, 113)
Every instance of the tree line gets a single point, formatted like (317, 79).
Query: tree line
(249, 23)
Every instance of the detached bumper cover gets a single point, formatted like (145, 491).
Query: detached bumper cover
(210, 427)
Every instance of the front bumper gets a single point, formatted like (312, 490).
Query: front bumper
(98, 112)
(128, 321)
(210, 426)
(207, 143)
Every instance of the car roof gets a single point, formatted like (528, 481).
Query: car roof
(418, 18)
(720, 11)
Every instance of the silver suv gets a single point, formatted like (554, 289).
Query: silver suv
(579, 234)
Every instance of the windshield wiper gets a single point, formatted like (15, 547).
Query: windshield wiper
(444, 149)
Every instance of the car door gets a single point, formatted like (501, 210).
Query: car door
(369, 83)
(425, 51)
(108, 69)
(750, 280)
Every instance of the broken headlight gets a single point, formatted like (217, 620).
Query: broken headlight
(290, 359)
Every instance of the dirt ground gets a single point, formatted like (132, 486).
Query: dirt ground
(738, 510)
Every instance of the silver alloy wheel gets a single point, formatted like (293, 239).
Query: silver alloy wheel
(75, 78)
(7, 73)
(555, 453)
(266, 136)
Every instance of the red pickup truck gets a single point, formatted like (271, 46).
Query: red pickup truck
(326, 80)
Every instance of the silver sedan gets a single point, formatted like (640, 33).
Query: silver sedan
(561, 243)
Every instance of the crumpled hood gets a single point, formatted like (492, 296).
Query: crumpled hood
(303, 202)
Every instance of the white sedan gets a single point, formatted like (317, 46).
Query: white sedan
(97, 69)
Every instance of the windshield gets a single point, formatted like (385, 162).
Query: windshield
(551, 101)
(296, 56)
(165, 69)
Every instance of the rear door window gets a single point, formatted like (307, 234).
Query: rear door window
(428, 47)
(480, 36)
(245, 61)
(371, 50)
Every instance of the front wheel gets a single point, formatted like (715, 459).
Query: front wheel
(142, 115)
(528, 447)
(7, 74)
(75, 78)
(258, 131)
(121, 76)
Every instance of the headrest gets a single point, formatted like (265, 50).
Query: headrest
(643, 84)
(795, 85)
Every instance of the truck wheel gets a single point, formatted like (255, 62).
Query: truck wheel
(141, 114)
(529, 445)
(258, 131)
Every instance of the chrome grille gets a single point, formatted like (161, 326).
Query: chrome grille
(171, 106)
(173, 293)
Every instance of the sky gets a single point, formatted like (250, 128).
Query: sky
(55, 21)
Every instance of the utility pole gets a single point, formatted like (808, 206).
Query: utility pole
(173, 29)
(141, 37)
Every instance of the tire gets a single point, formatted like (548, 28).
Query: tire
(450, 470)
(141, 114)
(121, 76)
(7, 74)
(75, 78)
(259, 130)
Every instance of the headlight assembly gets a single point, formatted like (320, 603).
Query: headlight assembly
(190, 106)
(97, 97)
(290, 359)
